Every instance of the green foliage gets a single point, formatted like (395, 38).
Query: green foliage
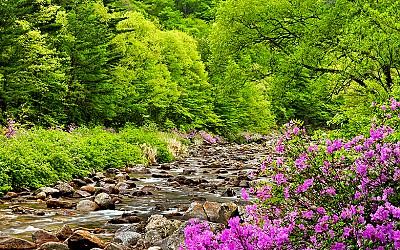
(160, 76)
(37, 157)
(31, 83)
(314, 56)
(82, 40)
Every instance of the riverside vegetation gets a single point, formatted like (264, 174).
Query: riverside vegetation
(332, 194)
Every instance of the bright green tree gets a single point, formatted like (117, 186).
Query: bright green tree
(160, 77)
(313, 55)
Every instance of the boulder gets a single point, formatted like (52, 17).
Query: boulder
(41, 195)
(16, 244)
(121, 187)
(81, 194)
(158, 228)
(127, 236)
(110, 172)
(64, 233)
(79, 182)
(56, 203)
(125, 219)
(84, 240)
(88, 188)
(195, 210)
(120, 177)
(227, 211)
(104, 201)
(53, 246)
(65, 189)
(40, 237)
(49, 191)
(10, 195)
(87, 206)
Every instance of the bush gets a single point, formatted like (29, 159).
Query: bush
(321, 195)
(37, 157)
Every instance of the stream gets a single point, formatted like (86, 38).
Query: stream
(209, 173)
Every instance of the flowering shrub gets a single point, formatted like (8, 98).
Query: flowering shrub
(203, 135)
(10, 130)
(330, 194)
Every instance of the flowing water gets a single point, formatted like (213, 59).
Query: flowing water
(213, 165)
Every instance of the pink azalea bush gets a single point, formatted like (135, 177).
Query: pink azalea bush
(330, 194)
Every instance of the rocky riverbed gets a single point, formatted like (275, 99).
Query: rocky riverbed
(136, 207)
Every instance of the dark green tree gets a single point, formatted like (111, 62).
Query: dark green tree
(83, 41)
(31, 83)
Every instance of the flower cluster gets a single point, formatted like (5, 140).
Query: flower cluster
(324, 194)
(203, 135)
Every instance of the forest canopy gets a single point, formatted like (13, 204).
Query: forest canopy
(224, 66)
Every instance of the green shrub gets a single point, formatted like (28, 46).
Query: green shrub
(37, 157)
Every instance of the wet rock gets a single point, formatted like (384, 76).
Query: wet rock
(122, 187)
(114, 246)
(84, 240)
(141, 193)
(64, 233)
(56, 203)
(195, 210)
(131, 183)
(244, 184)
(111, 172)
(64, 212)
(220, 212)
(10, 195)
(87, 206)
(188, 171)
(229, 192)
(49, 191)
(39, 212)
(234, 181)
(156, 175)
(109, 180)
(81, 194)
(108, 188)
(88, 180)
(22, 210)
(88, 188)
(127, 236)
(16, 244)
(104, 201)
(40, 237)
(121, 177)
(53, 246)
(65, 188)
(125, 219)
(158, 228)
(99, 175)
(79, 182)
(41, 195)
(149, 188)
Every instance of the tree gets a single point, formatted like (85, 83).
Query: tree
(160, 77)
(312, 54)
(83, 40)
(32, 87)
